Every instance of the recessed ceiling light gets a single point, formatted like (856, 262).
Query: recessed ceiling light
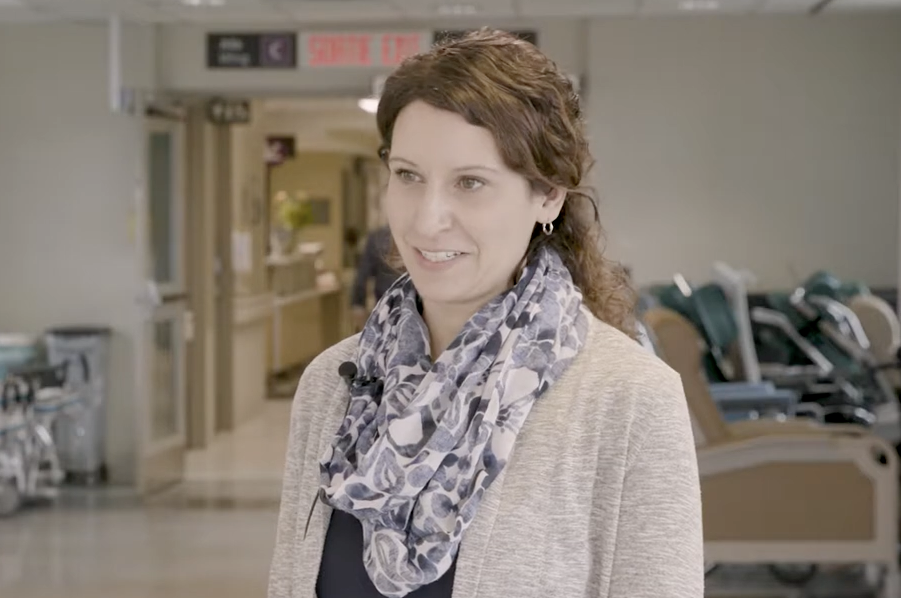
(200, 3)
(457, 10)
(370, 105)
(699, 5)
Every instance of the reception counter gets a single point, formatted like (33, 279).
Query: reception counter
(280, 334)
(252, 317)
(306, 323)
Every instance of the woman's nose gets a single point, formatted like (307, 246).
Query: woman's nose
(433, 213)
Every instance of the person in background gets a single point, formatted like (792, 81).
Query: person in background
(496, 430)
(372, 267)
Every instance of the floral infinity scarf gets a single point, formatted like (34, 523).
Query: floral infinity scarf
(422, 442)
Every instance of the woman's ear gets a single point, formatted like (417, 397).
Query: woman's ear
(551, 204)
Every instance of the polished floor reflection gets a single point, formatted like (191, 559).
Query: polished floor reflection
(255, 452)
(134, 552)
(211, 537)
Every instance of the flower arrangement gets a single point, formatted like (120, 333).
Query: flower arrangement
(290, 214)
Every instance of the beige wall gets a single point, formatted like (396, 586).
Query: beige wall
(249, 202)
(770, 143)
(70, 172)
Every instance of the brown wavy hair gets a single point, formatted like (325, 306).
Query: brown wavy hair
(506, 85)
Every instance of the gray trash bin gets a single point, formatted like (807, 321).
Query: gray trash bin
(16, 350)
(80, 433)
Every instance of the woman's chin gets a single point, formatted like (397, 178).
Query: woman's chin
(439, 292)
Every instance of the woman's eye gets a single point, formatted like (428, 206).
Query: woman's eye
(470, 184)
(406, 175)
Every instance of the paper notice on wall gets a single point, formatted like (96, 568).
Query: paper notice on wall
(242, 252)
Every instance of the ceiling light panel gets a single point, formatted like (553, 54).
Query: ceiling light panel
(203, 3)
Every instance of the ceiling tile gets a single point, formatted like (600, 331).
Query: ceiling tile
(19, 14)
(320, 11)
(577, 8)
(81, 4)
(863, 5)
(696, 8)
(787, 6)
(392, 11)
(445, 9)
(219, 11)
(230, 14)
(97, 9)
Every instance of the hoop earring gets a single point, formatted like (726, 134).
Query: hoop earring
(547, 228)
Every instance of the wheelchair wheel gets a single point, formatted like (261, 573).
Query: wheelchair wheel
(10, 498)
(794, 575)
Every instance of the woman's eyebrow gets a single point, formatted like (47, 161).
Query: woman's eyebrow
(400, 159)
(476, 167)
(467, 168)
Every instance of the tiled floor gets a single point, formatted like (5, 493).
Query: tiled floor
(133, 552)
(212, 536)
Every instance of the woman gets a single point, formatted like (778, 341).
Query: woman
(495, 430)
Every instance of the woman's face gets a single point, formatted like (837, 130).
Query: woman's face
(460, 218)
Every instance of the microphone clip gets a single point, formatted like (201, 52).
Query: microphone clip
(349, 372)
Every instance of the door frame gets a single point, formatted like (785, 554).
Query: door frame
(224, 281)
(210, 279)
(200, 213)
(161, 462)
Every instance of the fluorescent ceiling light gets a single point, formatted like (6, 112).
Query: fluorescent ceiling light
(203, 2)
(370, 105)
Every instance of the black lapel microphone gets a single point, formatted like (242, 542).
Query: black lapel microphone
(349, 372)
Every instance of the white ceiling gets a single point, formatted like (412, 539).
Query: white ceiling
(394, 11)
(320, 124)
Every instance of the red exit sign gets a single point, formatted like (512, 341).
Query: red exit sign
(360, 49)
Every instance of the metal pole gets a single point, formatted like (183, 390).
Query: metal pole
(115, 63)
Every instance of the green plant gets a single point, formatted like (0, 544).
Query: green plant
(293, 212)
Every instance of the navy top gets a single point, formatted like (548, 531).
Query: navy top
(342, 574)
(372, 266)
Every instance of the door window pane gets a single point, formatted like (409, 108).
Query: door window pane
(165, 384)
(162, 208)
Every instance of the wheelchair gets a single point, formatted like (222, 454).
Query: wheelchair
(30, 402)
(736, 397)
(806, 344)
